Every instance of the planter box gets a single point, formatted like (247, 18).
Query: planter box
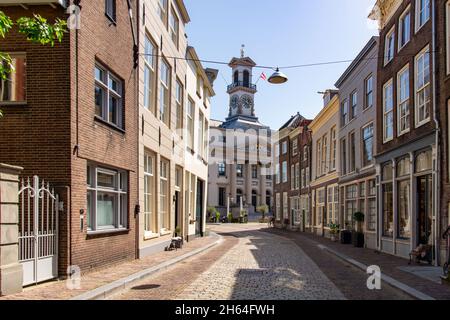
(358, 239)
(346, 237)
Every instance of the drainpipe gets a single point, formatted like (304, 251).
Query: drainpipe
(437, 132)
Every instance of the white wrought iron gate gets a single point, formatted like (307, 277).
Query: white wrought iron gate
(38, 231)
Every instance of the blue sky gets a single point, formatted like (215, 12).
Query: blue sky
(280, 32)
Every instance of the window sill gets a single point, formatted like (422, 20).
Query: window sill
(110, 125)
(192, 152)
(165, 233)
(420, 124)
(151, 236)
(111, 19)
(400, 48)
(386, 63)
(107, 231)
(403, 133)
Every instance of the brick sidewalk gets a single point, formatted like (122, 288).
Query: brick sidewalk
(57, 290)
(389, 264)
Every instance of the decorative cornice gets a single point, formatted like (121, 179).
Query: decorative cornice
(384, 10)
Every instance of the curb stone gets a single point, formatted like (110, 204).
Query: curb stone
(389, 280)
(114, 287)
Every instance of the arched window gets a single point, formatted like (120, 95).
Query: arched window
(236, 77)
(246, 79)
(423, 161)
(403, 167)
(387, 172)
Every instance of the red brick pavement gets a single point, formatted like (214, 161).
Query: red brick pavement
(57, 290)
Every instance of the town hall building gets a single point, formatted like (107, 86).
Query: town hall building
(240, 176)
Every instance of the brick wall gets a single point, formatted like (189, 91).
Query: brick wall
(41, 136)
(406, 55)
(110, 44)
(443, 96)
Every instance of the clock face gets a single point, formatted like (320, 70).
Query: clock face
(234, 103)
(247, 102)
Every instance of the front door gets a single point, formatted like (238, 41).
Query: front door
(424, 209)
(199, 213)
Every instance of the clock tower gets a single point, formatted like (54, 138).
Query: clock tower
(242, 90)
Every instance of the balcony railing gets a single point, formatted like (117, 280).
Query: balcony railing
(242, 84)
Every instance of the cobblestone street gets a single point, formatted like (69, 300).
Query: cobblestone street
(255, 265)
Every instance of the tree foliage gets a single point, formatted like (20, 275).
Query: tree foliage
(37, 30)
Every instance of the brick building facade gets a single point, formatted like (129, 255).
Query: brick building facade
(294, 155)
(76, 127)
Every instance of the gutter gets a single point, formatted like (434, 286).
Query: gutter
(437, 178)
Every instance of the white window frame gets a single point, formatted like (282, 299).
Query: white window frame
(119, 190)
(344, 113)
(108, 91)
(324, 163)
(278, 206)
(387, 57)
(386, 113)
(352, 153)
(400, 28)
(179, 100)
(294, 147)
(284, 170)
(333, 148)
(162, 10)
(164, 93)
(401, 102)
(293, 177)
(149, 192)
(353, 105)
(419, 26)
(190, 123)
(363, 142)
(277, 173)
(164, 178)
(284, 147)
(150, 68)
(174, 27)
(418, 122)
(367, 92)
(285, 205)
(201, 134)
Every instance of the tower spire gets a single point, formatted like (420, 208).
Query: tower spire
(242, 51)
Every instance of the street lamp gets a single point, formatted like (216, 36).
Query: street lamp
(278, 77)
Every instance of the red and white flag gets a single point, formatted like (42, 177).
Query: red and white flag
(263, 76)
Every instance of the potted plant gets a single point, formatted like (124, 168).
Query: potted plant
(217, 217)
(230, 217)
(177, 231)
(358, 235)
(346, 235)
(263, 210)
(243, 218)
(334, 231)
